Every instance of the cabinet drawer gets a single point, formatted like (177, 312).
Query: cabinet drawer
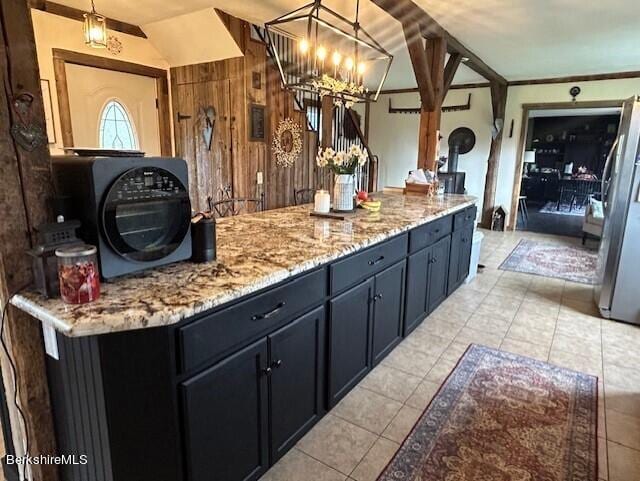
(427, 234)
(218, 334)
(347, 272)
(467, 216)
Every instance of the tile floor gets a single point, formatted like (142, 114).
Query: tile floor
(544, 318)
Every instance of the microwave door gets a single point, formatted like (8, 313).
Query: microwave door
(615, 202)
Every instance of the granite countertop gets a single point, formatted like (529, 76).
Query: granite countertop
(254, 252)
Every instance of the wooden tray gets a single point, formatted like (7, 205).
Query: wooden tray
(424, 189)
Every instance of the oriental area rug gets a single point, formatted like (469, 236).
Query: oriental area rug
(504, 417)
(568, 262)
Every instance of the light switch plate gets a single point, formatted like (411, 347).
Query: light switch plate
(259, 178)
(50, 341)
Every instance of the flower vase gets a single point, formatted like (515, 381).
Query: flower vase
(344, 188)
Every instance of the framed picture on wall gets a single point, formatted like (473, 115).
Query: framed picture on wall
(257, 123)
(48, 110)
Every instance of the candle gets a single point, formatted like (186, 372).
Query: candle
(322, 202)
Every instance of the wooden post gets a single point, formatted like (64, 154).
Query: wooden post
(498, 104)
(25, 195)
(429, 132)
(327, 121)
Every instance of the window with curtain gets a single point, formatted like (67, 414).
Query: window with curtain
(116, 128)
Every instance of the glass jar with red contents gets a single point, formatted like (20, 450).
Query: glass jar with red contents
(78, 274)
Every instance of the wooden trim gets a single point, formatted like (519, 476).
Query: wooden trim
(106, 63)
(327, 122)
(420, 63)
(62, 57)
(577, 78)
(452, 87)
(524, 127)
(76, 14)
(450, 70)
(64, 108)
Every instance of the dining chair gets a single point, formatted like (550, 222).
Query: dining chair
(303, 196)
(236, 206)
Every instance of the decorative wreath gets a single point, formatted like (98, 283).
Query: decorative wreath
(287, 143)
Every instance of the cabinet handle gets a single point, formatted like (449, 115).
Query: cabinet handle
(377, 261)
(266, 371)
(268, 314)
(377, 297)
(464, 241)
(433, 260)
(276, 364)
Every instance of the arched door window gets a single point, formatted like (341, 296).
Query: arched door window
(116, 128)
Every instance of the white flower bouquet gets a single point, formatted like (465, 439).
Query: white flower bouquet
(343, 162)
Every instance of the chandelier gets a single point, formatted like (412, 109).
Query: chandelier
(320, 51)
(95, 29)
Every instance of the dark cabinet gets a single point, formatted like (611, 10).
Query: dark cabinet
(296, 380)
(387, 310)
(416, 293)
(349, 339)
(461, 242)
(226, 418)
(438, 276)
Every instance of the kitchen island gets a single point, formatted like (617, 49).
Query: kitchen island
(214, 371)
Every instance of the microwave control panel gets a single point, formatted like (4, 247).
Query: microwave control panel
(145, 184)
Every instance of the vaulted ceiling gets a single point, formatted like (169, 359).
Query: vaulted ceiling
(520, 39)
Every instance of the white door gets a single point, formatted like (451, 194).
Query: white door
(113, 110)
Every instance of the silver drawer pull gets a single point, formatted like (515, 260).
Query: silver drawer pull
(377, 261)
(270, 313)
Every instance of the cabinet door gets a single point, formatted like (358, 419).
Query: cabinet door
(225, 412)
(465, 253)
(296, 379)
(415, 308)
(387, 310)
(438, 272)
(455, 260)
(350, 336)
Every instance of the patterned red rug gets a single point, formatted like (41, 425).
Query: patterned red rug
(504, 417)
(568, 262)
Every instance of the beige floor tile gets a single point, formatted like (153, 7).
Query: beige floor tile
(467, 297)
(375, 461)
(625, 378)
(455, 351)
(367, 409)
(402, 424)
(428, 343)
(588, 365)
(297, 466)
(578, 292)
(484, 282)
(619, 354)
(423, 394)
(603, 468)
(337, 443)
(527, 349)
(541, 322)
(502, 313)
(468, 336)
(391, 382)
(602, 416)
(577, 308)
(540, 307)
(624, 400)
(410, 360)
(580, 327)
(489, 323)
(578, 346)
(452, 313)
(441, 370)
(511, 292)
(623, 429)
(624, 463)
(440, 327)
(519, 332)
(500, 302)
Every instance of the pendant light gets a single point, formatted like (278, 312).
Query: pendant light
(321, 51)
(95, 29)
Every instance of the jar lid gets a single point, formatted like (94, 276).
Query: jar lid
(77, 251)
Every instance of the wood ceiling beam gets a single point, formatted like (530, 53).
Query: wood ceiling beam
(408, 13)
(420, 62)
(76, 14)
(450, 70)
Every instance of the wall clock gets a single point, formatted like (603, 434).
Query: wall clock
(287, 143)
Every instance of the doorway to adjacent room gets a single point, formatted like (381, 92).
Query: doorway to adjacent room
(564, 149)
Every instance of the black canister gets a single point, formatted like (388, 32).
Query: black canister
(203, 240)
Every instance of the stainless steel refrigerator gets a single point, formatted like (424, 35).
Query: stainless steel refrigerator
(618, 289)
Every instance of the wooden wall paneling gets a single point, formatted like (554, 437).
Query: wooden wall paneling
(164, 116)
(429, 130)
(184, 116)
(64, 108)
(25, 200)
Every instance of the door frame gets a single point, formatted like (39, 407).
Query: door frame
(526, 110)
(62, 57)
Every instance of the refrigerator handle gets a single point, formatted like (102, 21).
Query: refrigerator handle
(604, 190)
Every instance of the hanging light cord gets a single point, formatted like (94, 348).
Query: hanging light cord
(93, 7)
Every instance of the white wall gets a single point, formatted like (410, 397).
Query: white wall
(53, 31)
(394, 137)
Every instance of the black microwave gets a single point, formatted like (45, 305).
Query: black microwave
(136, 210)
